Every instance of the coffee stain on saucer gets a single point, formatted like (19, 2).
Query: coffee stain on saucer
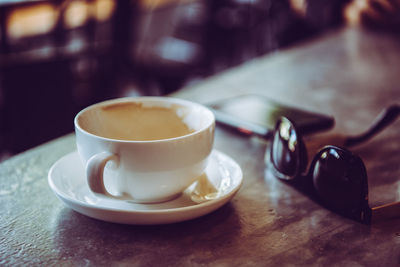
(204, 190)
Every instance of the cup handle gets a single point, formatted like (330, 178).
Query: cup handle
(95, 170)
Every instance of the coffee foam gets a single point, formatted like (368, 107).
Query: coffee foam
(137, 121)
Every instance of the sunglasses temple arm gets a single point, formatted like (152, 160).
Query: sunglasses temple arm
(385, 212)
(385, 118)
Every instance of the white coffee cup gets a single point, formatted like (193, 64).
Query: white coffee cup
(120, 163)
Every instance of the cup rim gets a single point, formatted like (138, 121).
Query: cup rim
(144, 98)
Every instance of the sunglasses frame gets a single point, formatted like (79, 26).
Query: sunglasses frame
(303, 176)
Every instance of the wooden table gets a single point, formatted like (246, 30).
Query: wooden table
(349, 74)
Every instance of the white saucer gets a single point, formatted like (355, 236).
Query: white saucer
(67, 180)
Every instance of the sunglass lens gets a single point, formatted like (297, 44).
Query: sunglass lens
(284, 154)
(340, 180)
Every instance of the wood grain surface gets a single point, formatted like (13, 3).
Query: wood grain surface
(350, 74)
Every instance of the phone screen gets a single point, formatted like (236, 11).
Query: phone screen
(254, 114)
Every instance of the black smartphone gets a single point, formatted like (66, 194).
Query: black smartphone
(257, 115)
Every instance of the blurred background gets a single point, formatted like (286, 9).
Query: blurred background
(57, 57)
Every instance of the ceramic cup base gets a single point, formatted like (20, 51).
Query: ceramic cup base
(129, 198)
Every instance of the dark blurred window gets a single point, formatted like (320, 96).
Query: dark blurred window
(57, 57)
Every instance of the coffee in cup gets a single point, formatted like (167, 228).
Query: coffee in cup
(146, 149)
(135, 122)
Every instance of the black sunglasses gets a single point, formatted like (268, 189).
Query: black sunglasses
(336, 177)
